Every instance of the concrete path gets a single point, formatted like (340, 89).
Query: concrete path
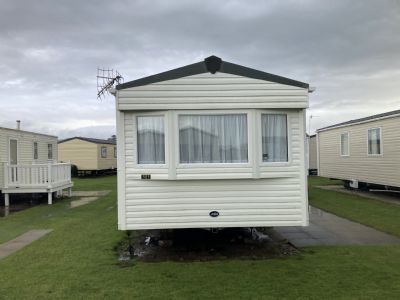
(388, 197)
(90, 193)
(21, 241)
(87, 197)
(328, 229)
(83, 201)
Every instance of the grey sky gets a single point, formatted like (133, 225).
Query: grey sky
(50, 50)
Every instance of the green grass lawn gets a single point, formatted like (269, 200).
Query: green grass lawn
(93, 184)
(77, 261)
(316, 180)
(374, 213)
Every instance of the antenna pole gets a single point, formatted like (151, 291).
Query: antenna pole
(107, 79)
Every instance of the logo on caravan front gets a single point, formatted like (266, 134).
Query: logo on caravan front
(214, 214)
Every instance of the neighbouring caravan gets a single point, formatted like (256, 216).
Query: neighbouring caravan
(89, 155)
(28, 164)
(312, 155)
(211, 145)
(362, 152)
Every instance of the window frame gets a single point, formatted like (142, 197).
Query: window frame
(37, 148)
(174, 170)
(115, 152)
(9, 148)
(348, 144)
(48, 152)
(250, 126)
(167, 142)
(380, 144)
(260, 160)
(101, 152)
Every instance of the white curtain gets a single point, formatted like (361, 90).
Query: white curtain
(274, 138)
(213, 138)
(374, 141)
(150, 140)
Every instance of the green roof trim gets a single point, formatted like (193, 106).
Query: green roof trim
(212, 64)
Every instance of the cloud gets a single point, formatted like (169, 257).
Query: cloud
(50, 52)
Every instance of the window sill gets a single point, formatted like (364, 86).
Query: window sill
(275, 164)
(151, 166)
(213, 165)
(215, 175)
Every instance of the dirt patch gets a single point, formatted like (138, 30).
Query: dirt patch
(20, 202)
(202, 245)
(5, 211)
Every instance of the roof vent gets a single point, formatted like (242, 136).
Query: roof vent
(18, 124)
(213, 64)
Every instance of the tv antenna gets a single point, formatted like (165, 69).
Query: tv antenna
(106, 80)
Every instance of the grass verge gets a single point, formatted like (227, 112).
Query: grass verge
(77, 261)
(374, 213)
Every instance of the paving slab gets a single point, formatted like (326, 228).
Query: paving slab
(328, 229)
(87, 197)
(90, 193)
(21, 241)
(83, 201)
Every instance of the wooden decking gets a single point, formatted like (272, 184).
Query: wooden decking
(36, 178)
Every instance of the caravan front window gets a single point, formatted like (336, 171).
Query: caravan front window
(274, 138)
(344, 144)
(35, 150)
(374, 141)
(213, 138)
(49, 151)
(150, 140)
(103, 152)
